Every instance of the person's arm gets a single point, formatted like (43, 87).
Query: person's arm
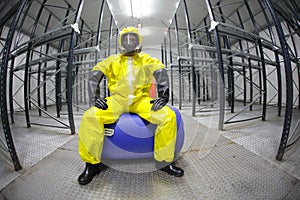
(100, 70)
(162, 85)
(95, 78)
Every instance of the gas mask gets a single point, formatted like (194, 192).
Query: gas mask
(129, 43)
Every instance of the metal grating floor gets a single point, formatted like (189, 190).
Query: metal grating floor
(232, 164)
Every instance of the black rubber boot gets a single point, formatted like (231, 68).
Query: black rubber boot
(89, 172)
(170, 168)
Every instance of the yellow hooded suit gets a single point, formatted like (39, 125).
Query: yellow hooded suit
(129, 81)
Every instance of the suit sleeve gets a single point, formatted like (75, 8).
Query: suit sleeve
(100, 70)
(95, 78)
(162, 83)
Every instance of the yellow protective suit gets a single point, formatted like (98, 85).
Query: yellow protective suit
(129, 82)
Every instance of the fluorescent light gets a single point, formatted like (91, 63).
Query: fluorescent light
(136, 8)
(139, 25)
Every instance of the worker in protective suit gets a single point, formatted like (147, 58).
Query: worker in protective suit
(129, 78)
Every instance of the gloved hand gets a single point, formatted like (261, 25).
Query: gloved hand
(101, 103)
(158, 103)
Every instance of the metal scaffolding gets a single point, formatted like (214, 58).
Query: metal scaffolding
(233, 57)
(49, 60)
(228, 54)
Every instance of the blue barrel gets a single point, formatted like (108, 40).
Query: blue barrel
(133, 138)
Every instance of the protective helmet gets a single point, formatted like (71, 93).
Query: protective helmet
(130, 41)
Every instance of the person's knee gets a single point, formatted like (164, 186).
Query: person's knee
(171, 115)
(90, 112)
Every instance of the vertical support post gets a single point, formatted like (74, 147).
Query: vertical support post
(162, 54)
(231, 83)
(279, 98)
(251, 83)
(263, 64)
(230, 71)
(297, 61)
(70, 77)
(264, 80)
(165, 51)
(98, 40)
(117, 35)
(99, 29)
(38, 83)
(37, 19)
(44, 80)
(221, 68)
(198, 87)
(260, 76)
(58, 70)
(213, 80)
(289, 82)
(79, 89)
(45, 66)
(11, 74)
(187, 19)
(26, 92)
(11, 78)
(170, 45)
(3, 95)
(179, 63)
(110, 35)
(171, 68)
(244, 68)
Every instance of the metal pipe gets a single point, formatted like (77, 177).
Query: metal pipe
(45, 66)
(110, 35)
(70, 76)
(171, 68)
(179, 63)
(244, 68)
(221, 67)
(187, 19)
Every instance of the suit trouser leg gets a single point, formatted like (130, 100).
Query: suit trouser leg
(91, 130)
(166, 131)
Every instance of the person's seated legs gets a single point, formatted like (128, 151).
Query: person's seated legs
(165, 135)
(90, 144)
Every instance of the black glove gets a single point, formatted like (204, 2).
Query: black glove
(158, 103)
(101, 103)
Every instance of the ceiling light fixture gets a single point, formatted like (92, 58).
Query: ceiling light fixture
(136, 8)
(139, 25)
